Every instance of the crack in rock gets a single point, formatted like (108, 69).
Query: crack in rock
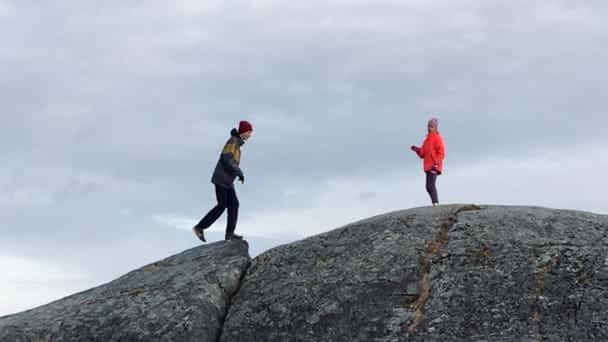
(433, 249)
(231, 299)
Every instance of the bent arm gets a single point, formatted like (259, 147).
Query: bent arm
(229, 161)
(439, 150)
(419, 151)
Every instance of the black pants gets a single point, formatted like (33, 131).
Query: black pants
(431, 187)
(226, 199)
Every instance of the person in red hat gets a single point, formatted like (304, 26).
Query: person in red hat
(226, 172)
(433, 153)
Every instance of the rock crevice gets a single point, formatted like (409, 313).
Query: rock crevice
(433, 251)
(231, 299)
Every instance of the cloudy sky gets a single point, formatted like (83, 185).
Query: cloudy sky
(112, 117)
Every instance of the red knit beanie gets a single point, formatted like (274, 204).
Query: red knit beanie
(244, 127)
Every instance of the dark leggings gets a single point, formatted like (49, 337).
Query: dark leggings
(226, 199)
(431, 187)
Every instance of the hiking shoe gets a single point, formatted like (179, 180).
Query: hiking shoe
(199, 233)
(233, 237)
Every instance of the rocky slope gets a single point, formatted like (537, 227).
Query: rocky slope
(451, 273)
(182, 298)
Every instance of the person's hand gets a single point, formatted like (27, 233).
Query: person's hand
(415, 148)
(241, 178)
(434, 170)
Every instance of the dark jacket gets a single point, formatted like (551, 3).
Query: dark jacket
(227, 168)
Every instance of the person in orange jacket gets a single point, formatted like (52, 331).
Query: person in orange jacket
(433, 153)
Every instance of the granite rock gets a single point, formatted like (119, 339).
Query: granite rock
(182, 298)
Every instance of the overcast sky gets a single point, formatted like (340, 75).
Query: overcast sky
(113, 113)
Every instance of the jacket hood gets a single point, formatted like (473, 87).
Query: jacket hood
(235, 133)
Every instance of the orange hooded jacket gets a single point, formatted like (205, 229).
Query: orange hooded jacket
(433, 152)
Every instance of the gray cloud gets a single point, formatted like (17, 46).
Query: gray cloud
(113, 115)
